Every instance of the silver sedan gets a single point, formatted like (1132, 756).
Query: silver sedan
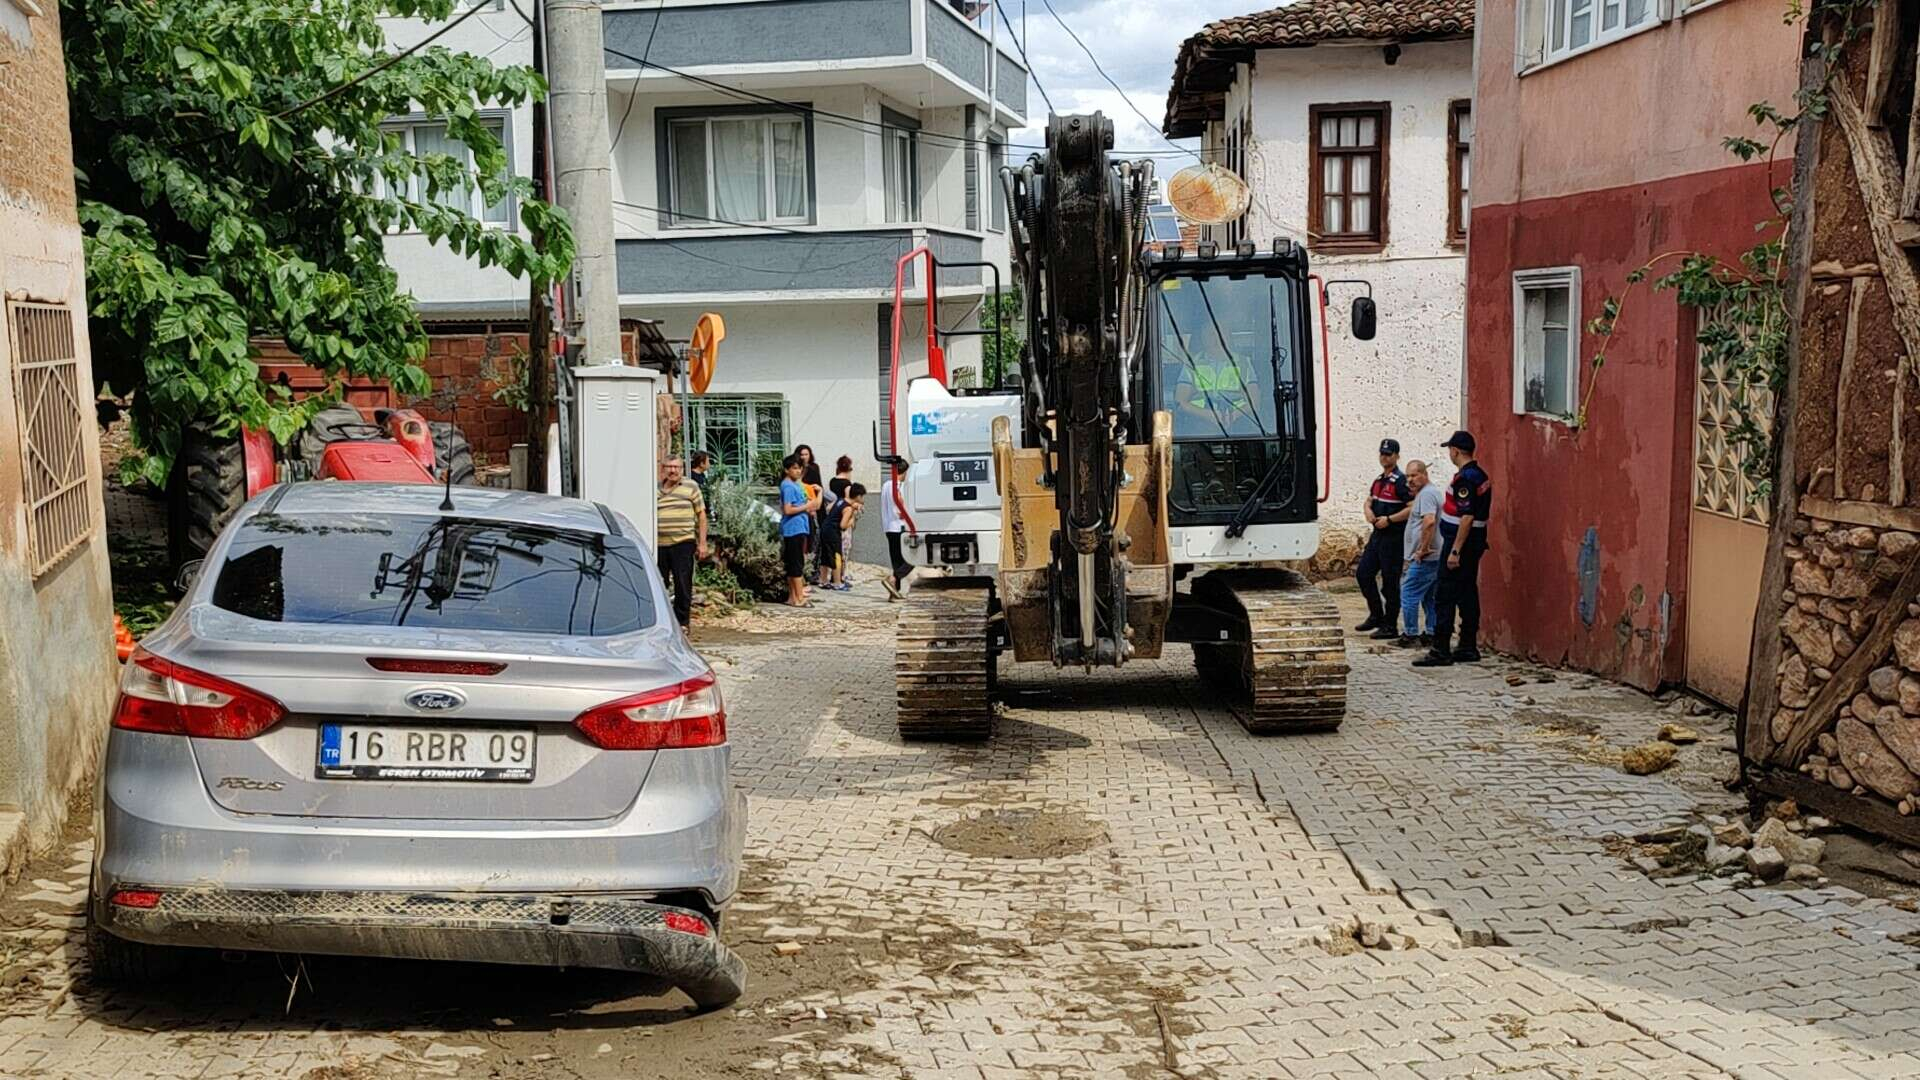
(378, 727)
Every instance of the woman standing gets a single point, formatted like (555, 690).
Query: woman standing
(810, 478)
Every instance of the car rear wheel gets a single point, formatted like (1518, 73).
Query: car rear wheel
(451, 452)
(115, 961)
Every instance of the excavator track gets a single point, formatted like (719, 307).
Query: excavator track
(942, 664)
(1287, 670)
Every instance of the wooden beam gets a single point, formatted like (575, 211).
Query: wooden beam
(1881, 61)
(1897, 452)
(1855, 512)
(1831, 269)
(1754, 733)
(1849, 346)
(1860, 811)
(1910, 191)
(1850, 677)
(1878, 174)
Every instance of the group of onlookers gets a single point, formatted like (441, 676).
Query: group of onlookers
(1423, 555)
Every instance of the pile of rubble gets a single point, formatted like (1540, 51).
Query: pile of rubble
(1782, 848)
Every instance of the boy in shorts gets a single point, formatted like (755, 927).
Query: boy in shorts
(796, 509)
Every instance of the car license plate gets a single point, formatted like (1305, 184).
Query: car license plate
(963, 471)
(399, 752)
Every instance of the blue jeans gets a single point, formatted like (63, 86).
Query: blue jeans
(1417, 594)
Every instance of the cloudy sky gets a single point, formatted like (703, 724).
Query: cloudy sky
(1135, 41)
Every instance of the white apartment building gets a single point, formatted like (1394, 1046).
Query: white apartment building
(1353, 124)
(773, 160)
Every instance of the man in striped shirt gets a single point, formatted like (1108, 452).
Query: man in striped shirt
(681, 531)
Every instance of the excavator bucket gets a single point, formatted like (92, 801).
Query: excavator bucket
(1029, 519)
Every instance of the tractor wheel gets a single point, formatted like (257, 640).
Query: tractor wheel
(209, 484)
(320, 432)
(451, 452)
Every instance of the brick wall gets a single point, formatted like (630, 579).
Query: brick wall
(36, 171)
(467, 368)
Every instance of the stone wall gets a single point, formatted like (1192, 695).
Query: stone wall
(1839, 579)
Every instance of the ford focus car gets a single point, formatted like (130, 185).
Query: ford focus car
(378, 727)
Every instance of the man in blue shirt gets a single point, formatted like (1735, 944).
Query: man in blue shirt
(1463, 540)
(796, 510)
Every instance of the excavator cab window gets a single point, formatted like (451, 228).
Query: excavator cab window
(1228, 373)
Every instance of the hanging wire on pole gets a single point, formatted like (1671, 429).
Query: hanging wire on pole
(1151, 125)
(1020, 46)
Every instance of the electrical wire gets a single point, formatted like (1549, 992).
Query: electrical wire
(1021, 48)
(1151, 126)
(635, 95)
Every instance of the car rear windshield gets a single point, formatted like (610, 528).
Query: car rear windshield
(447, 573)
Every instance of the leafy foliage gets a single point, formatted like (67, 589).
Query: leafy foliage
(744, 534)
(1000, 357)
(235, 181)
(142, 584)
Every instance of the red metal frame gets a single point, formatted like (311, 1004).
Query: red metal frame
(256, 449)
(936, 357)
(1326, 392)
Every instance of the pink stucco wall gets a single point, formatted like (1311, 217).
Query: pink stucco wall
(1646, 108)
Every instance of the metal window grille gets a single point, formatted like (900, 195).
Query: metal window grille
(1722, 400)
(52, 423)
(745, 433)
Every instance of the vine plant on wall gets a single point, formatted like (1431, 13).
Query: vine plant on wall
(1747, 298)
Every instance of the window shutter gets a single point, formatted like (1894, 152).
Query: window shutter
(972, 151)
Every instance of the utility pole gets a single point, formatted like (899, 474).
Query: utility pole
(539, 297)
(583, 172)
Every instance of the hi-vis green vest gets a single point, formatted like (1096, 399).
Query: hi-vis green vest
(1218, 384)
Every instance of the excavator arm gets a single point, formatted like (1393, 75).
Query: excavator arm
(1086, 583)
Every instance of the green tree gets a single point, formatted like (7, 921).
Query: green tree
(1000, 357)
(235, 181)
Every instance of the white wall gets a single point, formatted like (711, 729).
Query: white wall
(435, 273)
(1405, 383)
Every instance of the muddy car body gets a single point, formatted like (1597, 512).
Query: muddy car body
(377, 727)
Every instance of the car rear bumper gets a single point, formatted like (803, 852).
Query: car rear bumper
(555, 931)
(159, 828)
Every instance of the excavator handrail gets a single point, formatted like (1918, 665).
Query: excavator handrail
(1326, 392)
(936, 358)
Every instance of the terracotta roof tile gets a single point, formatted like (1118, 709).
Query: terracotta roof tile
(1206, 59)
(1310, 21)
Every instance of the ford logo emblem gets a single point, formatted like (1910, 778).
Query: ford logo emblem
(436, 700)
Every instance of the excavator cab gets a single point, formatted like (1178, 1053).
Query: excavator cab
(1227, 334)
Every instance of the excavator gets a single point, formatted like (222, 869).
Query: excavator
(1143, 482)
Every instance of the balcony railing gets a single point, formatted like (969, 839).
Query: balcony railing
(828, 261)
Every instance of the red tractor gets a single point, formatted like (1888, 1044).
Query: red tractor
(363, 438)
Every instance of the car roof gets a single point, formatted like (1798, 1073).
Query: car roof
(489, 503)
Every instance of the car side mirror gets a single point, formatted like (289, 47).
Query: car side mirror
(1365, 315)
(189, 571)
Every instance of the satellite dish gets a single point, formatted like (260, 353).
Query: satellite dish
(704, 350)
(1208, 194)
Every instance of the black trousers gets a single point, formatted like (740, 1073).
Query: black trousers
(1458, 590)
(676, 565)
(1386, 550)
(901, 567)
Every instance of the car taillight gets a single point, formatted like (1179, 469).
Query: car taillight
(677, 717)
(166, 698)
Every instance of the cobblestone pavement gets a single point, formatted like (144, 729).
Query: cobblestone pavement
(1122, 883)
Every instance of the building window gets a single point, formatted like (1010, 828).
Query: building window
(1553, 29)
(1546, 342)
(1348, 207)
(422, 138)
(745, 433)
(728, 169)
(1459, 147)
(900, 158)
(52, 417)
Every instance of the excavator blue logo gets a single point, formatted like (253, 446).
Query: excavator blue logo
(926, 424)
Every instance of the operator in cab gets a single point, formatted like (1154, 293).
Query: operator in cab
(1216, 393)
(1389, 503)
(1463, 540)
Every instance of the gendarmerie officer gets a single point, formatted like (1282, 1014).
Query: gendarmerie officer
(1389, 501)
(1463, 540)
